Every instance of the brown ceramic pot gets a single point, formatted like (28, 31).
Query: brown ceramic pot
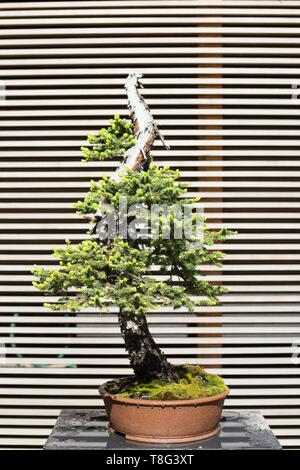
(164, 421)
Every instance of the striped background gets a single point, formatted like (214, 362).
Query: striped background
(219, 78)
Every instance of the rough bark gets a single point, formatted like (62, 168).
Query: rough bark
(146, 358)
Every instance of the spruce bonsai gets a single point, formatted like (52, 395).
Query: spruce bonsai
(114, 268)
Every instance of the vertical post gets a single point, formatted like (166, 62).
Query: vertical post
(217, 212)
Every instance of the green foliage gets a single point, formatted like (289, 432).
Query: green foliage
(157, 185)
(118, 273)
(111, 142)
(99, 276)
(194, 383)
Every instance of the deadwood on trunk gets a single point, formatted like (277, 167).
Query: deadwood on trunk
(145, 130)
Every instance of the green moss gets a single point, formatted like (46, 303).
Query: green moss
(194, 383)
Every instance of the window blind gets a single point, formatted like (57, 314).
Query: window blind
(221, 79)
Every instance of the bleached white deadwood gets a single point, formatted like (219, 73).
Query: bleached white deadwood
(145, 130)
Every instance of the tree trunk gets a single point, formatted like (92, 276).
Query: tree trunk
(147, 360)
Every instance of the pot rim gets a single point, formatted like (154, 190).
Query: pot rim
(161, 403)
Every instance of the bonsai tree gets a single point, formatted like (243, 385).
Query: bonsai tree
(114, 268)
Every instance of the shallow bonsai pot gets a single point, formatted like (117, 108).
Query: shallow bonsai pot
(164, 421)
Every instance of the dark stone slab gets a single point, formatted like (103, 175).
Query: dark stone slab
(81, 429)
